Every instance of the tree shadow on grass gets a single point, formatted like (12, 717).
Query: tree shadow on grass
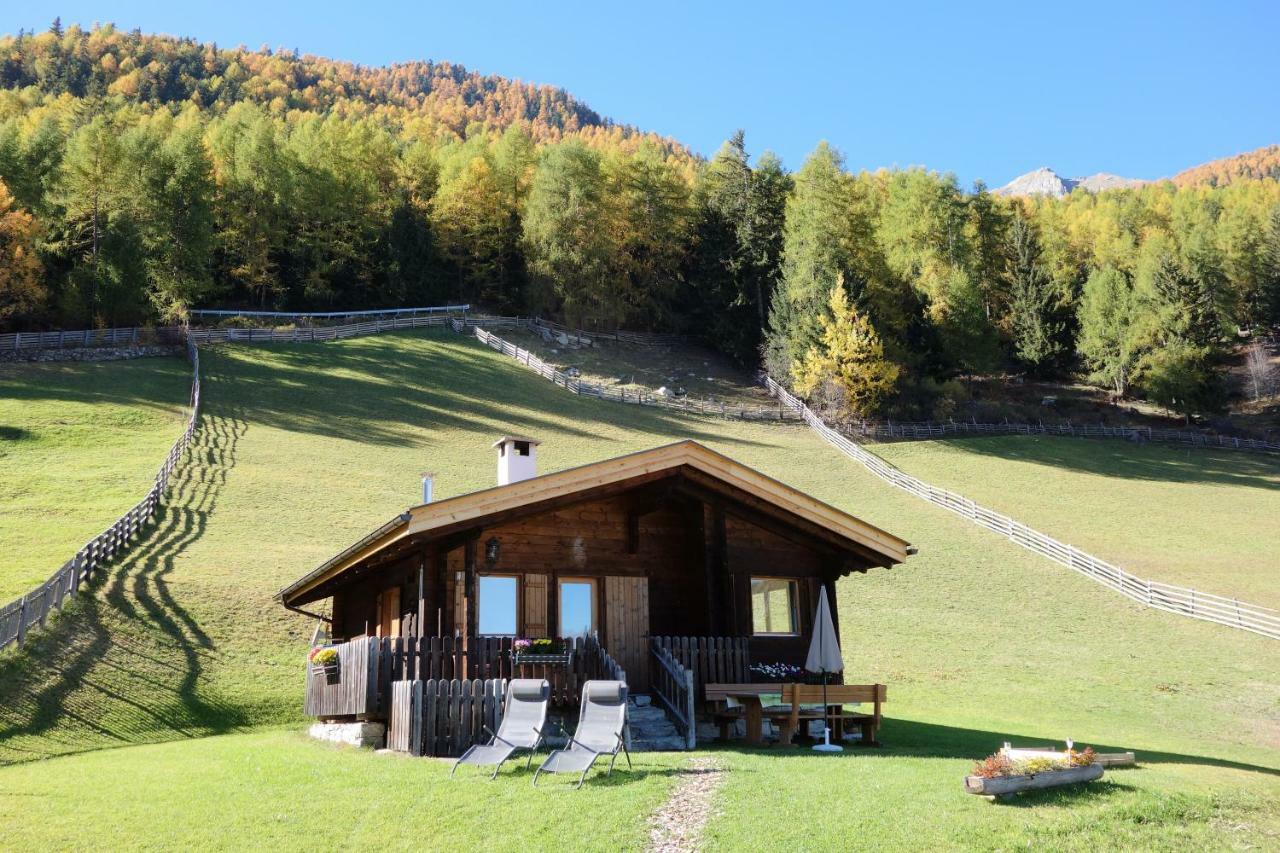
(392, 389)
(123, 663)
(1128, 461)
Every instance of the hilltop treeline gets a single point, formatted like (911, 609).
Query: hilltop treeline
(142, 175)
(1143, 287)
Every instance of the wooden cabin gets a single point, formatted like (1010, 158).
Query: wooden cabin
(675, 541)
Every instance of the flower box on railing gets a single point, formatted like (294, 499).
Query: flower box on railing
(323, 662)
(542, 651)
(542, 658)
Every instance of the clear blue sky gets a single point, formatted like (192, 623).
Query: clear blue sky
(983, 90)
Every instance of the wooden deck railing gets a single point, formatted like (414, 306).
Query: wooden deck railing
(1171, 599)
(723, 660)
(447, 659)
(32, 609)
(673, 687)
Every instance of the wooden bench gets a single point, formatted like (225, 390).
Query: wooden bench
(789, 715)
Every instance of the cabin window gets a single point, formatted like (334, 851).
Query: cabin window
(577, 607)
(773, 606)
(497, 606)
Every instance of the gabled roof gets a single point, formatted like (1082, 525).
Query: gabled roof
(685, 457)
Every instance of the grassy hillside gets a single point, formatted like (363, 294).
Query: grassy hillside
(1198, 518)
(79, 445)
(306, 448)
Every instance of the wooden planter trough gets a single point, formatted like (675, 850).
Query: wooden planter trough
(999, 786)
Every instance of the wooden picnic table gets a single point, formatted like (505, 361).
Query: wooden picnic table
(751, 698)
(749, 695)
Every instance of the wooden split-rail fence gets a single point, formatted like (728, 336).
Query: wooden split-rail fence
(18, 617)
(574, 385)
(1167, 597)
(934, 429)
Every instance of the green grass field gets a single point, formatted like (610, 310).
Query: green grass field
(306, 448)
(79, 445)
(1198, 518)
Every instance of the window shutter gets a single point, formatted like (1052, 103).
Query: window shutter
(535, 606)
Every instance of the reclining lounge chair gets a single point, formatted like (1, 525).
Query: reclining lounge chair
(523, 717)
(602, 724)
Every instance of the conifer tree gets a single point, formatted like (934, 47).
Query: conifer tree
(848, 366)
(1033, 302)
(1107, 336)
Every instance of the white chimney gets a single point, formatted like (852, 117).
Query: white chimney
(516, 459)
(428, 481)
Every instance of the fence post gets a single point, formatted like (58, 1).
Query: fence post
(22, 620)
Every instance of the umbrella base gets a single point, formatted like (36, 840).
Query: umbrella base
(827, 745)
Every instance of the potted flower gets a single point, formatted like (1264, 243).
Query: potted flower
(324, 661)
(1002, 774)
(774, 673)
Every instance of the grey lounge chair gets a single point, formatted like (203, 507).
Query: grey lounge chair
(602, 724)
(523, 717)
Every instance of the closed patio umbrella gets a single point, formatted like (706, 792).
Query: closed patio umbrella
(824, 657)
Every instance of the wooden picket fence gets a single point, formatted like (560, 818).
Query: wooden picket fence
(444, 717)
(684, 405)
(33, 609)
(1167, 597)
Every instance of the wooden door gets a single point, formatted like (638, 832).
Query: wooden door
(626, 628)
(389, 612)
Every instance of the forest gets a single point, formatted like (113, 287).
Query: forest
(144, 175)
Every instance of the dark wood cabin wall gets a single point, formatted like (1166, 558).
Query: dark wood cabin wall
(356, 607)
(756, 552)
(594, 539)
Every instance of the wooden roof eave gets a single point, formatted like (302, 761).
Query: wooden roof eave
(452, 514)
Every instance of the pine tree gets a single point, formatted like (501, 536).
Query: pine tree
(567, 237)
(816, 254)
(1271, 268)
(1033, 302)
(1188, 308)
(469, 218)
(849, 364)
(1107, 340)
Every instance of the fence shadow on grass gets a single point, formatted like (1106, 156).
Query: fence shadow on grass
(123, 663)
(1127, 461)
